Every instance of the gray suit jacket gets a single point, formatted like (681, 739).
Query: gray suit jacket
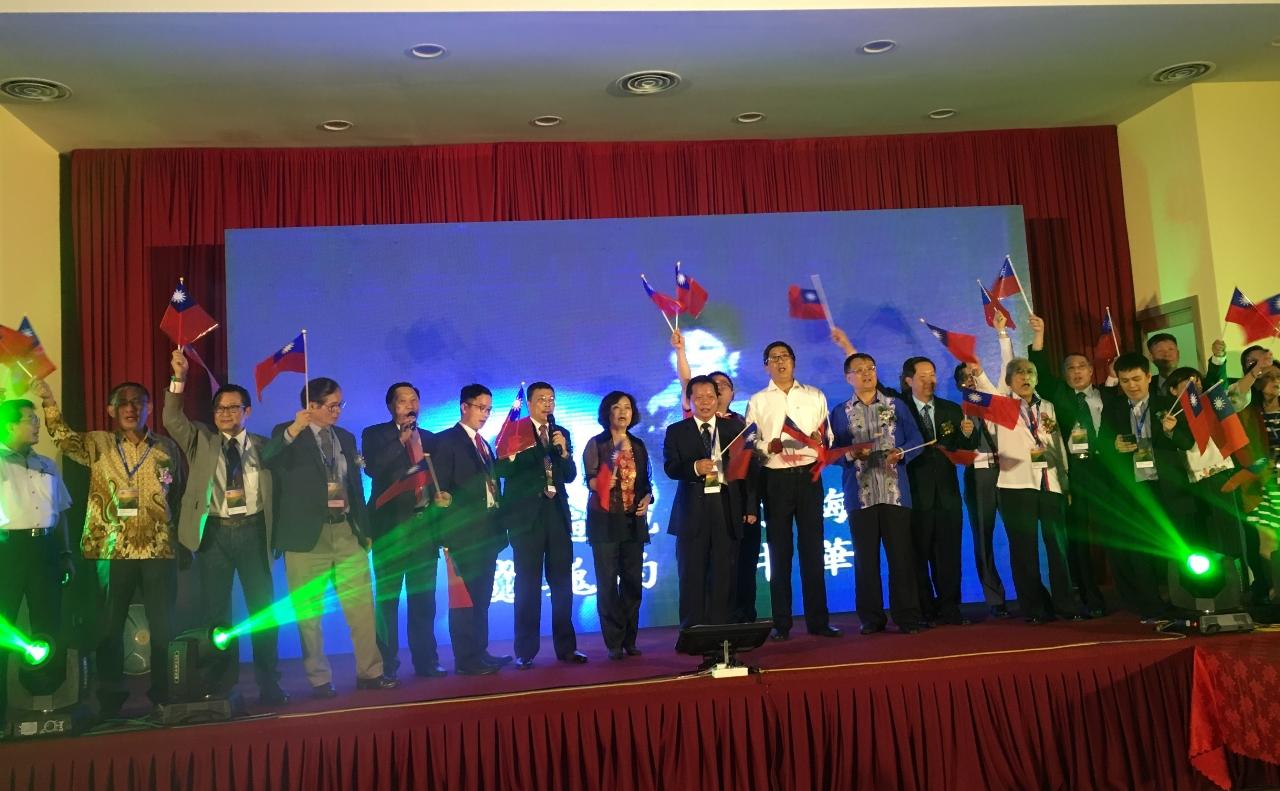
(202, 445)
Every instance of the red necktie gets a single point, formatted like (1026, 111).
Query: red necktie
(415, 457)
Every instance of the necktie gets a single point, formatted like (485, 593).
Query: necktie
(1084, 415)
(329, 452)
(415, 456)
(235, 464)
(927, 414)
(548, 475)
(483, 450)
(706, 439)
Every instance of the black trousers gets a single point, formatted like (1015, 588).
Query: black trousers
(157, 580)
(405, 559)
(1086, 517)
(30, 569)
(469, 626)
(889, 525)
(936, 535)
(705, 562)
(228, 549)
(746, 573)
(980, 498)
(1137, 572)
(791, 494)
(544, 547)
(1023, 510)
(619, 565)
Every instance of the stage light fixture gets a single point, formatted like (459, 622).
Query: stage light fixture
(36, 653)
(190, 660)
(1209, 585)
(47, 691)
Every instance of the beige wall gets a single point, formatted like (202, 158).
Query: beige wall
(30, 279)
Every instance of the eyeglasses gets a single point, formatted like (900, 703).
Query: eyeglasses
(334, 407)
(478, 407)
(866, 369)
(544, 400)
(228, 409)
(778, 358)
(136, 403)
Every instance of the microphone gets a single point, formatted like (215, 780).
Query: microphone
(551, 429)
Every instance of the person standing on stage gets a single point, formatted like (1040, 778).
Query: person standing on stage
(937, 511)
(323, 530)
(877, 495)
(35, 545)
(790, 491)
(617, 520)
(225, 519)
(405, 554)
(535, 508)
(470, 528)
(708, 512)
(135, 486)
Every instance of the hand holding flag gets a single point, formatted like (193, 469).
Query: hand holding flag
(516, 433)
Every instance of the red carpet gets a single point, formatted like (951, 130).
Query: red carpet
(1101, 704)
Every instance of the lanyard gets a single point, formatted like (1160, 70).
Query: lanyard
(1032, 420)
(1140, 420)
(130, 472)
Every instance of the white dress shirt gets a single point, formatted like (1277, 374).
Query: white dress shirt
(1014, 446)
(769, 409)
(32, 494)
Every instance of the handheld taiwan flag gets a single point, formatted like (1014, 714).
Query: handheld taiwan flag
(1271, 308)
(1255, 323)
(962, 457)
(829, 456)
(669, 307)
(1200, 418)
(603, 486)
(516, 433)
(14, 346)
(689, 293)
(184, 321)
(415, 479)
(1007, 283)
(990, 307)
(33, 363)
(1229, 434)
(997, 408)
(459, 597)
(291, 357)
(739, 453)
(805, 303)
(792, 430)
(1107, 349)
(963, 347)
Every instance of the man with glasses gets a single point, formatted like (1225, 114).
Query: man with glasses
(225, 518)
(322, 528)
(470, 528)
(135, 484)
(790, 490)
(536, 512)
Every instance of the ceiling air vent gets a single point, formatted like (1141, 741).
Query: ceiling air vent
(1182, 72)
(648, 82)
(34, 89)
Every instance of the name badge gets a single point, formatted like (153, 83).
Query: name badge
(1078, 443)
(236, 503)
(550, 489)
(127, 502)
(337, 497)
(1038, 459)
(1143, 458)
(982, 461)
(711, 483)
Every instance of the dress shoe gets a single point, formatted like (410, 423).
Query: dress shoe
(475, 670)
(1000, 611)
(826, 631)
(616, 653)
(273, 696)
(632, 650)
(871, 628)
(523, 664)
(956, 620)
(576, 658)
(390, 672)
(1078, 617)
(497, 661)
(910, 628)
(780, 635)
(1036, 620)
(1097, 612)
(430, 671)
(378, 682)
(322, 691)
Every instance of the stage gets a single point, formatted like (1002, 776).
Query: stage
(998, 704)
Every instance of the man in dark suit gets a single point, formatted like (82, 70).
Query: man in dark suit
(535, 509)
(469, 527)
(937, 511)
(405, 553)
(225, 518)
(708, 512)
(323, 529)
(1079, 406)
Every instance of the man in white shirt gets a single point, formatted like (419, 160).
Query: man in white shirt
(790, 492)
(35, 549)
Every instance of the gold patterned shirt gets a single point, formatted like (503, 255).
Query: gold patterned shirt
(152, 468)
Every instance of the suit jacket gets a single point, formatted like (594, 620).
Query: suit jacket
(605, 521)
(690, 512)
(1065, 403)
(202, 445)
(1171, 469)
(524, 481)
(932, 475)
(301, 482)
(385, 460)
(468, 522)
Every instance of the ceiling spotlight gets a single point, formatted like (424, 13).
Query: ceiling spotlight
(942, 113)
(336, 125)
(1275, 42)
(427, 51)
(647, 82)
(546, 121)
(34, 89)
(1179, 73)
(879, 47)
(749, 118)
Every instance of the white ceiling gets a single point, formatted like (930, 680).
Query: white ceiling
(267, 79)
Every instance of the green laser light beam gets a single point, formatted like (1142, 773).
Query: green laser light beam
(1199, 564)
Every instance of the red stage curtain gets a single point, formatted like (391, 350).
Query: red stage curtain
(135, 214)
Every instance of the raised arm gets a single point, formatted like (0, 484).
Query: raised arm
(73, 444)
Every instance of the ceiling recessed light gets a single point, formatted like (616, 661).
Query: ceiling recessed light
(647, 82)
(1275, 42)
(427, 51)
(34, 89)
(546, 120)
(336, 125)
(749, 118)
(1179, 73)
(879, 47)
(942, 113)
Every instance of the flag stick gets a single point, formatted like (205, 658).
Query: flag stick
(1021, 290)
(918, 447)
(1178, 411)
(725, 449)
(677, 295)
(181, 282)
(306, 366)
(431, 468)
(822, 298)
(1112, 325)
